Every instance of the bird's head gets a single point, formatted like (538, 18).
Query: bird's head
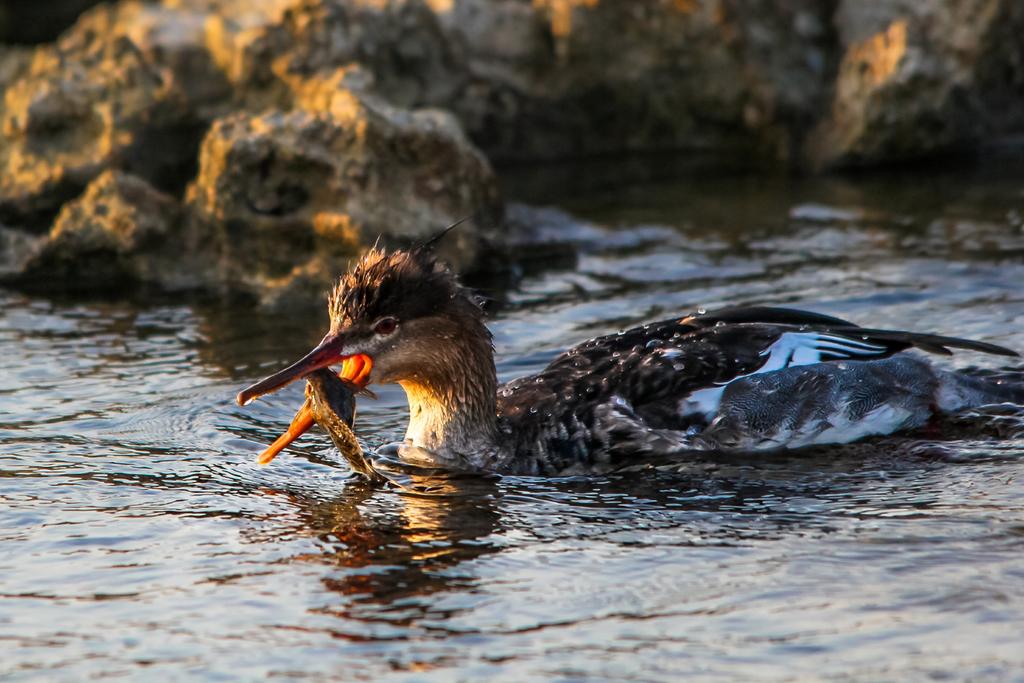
(401, 314)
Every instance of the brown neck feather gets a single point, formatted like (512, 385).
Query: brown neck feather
(453, 391)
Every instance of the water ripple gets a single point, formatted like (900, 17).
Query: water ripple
(137, 534)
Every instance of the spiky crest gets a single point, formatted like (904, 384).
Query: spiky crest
(405, 284)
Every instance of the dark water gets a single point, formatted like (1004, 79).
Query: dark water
(139, 539)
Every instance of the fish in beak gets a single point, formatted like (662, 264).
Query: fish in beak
(332, 403)
(354, 369)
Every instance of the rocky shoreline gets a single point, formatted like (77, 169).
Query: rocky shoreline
(254, 147)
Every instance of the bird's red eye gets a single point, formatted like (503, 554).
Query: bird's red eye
(385, 326)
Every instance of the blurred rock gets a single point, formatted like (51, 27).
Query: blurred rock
(17, 249)
(264, 47)
(283, 187)
(119, 229)
(553, 78)
(923, 77)
(560, 78)
(66, 120)
(294, 132)
(127, 87)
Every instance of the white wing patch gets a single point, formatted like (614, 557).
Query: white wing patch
(789, 350)
(806, 348)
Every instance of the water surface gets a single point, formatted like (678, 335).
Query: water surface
(139, 538)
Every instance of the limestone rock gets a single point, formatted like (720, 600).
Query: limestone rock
(283, 187)
(125, 88)
(119, 229)
(318, 125)
(557, 78)
(262, 47)
(551, 78)
(17, 250)
(920, 78)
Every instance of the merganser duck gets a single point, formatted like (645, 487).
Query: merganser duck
(738, 379)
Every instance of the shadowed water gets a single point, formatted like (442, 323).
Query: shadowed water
(139, 538)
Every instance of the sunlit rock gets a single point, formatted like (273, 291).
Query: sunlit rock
(922, 78)
(119, 229)
(294, 132)
(552, 78)
(263, 47)
(126, 88)
(280, 188)
(557, 78)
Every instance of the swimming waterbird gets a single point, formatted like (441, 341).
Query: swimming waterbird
(738, 379)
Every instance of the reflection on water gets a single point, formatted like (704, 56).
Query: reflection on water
(139, 538)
